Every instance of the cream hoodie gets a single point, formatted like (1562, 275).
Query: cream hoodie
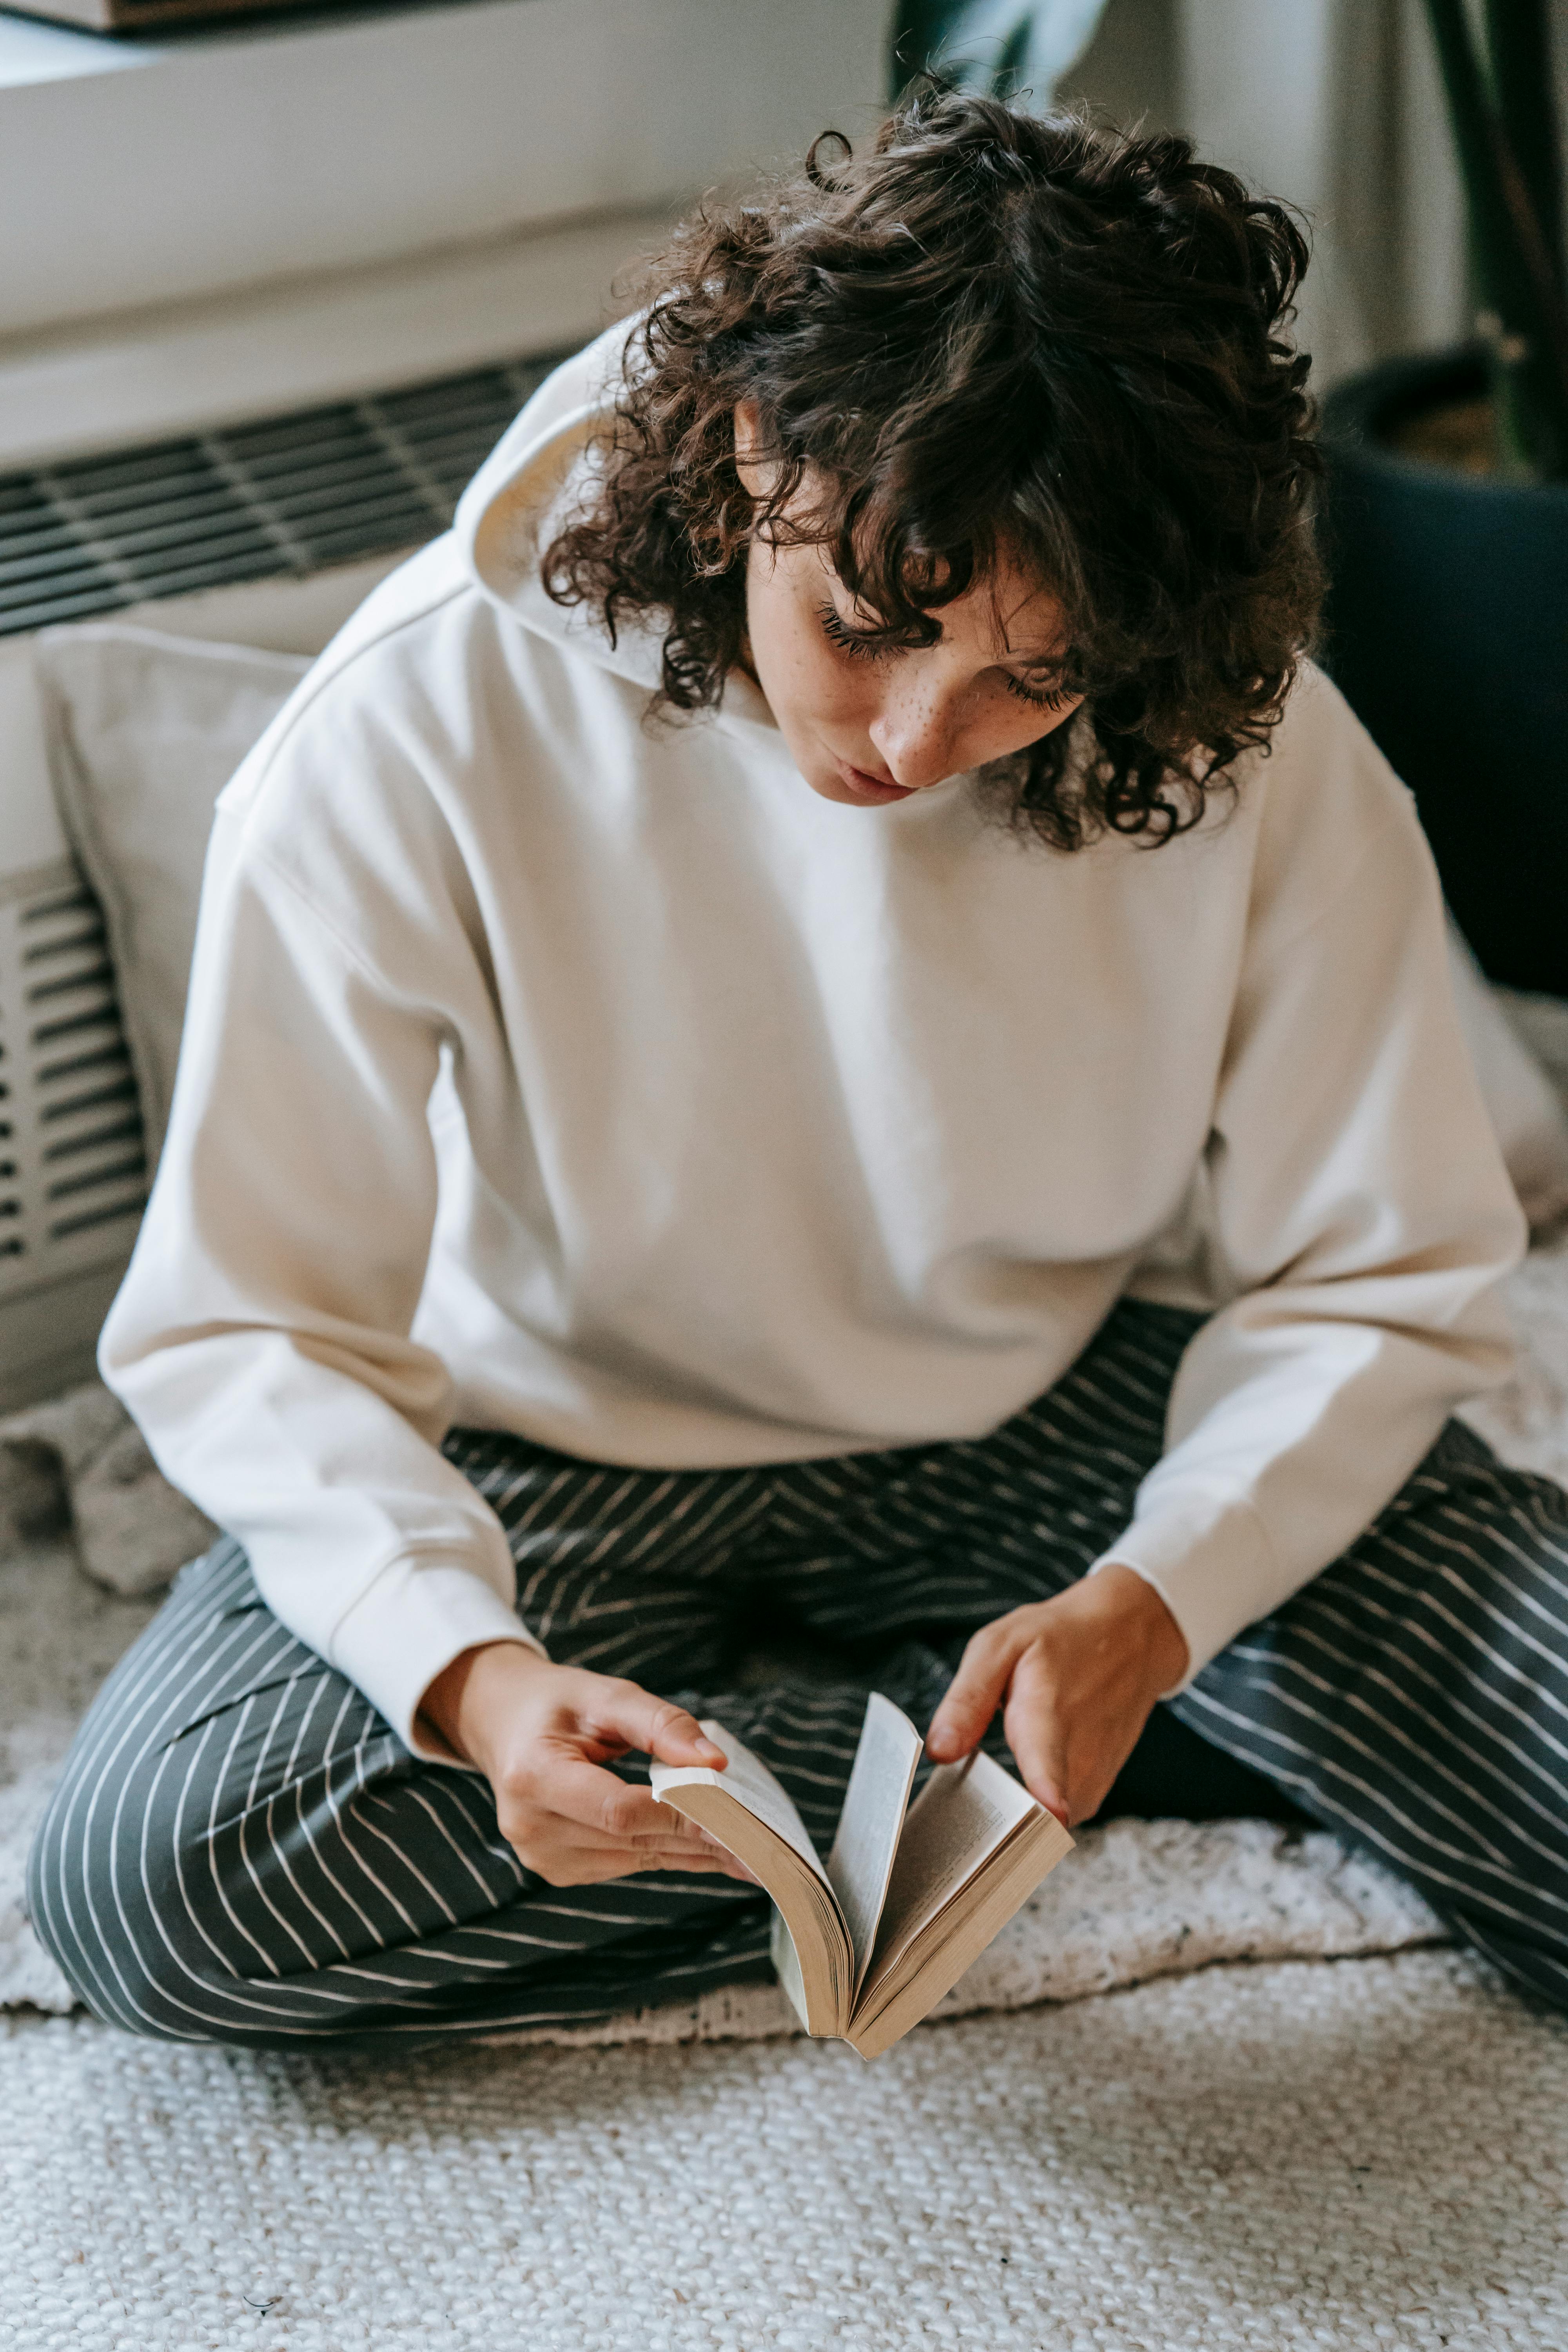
(550, 1071)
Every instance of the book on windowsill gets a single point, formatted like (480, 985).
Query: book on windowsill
(866, 1944)
(130, 16)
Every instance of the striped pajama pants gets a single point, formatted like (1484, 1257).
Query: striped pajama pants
(241, 1849)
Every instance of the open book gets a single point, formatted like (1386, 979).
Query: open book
(909, 1895)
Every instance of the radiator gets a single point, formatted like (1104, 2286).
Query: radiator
(73, 1175)
(289, 495)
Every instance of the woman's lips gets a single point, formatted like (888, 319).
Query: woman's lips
(872, 788)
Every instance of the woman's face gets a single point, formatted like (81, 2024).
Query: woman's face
(870, 726)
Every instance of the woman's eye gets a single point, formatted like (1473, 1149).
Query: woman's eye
(839, 632)
(1047, 698)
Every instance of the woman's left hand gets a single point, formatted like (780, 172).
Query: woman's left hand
(1079, 1675)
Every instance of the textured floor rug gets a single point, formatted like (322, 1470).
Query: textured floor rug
(1368, 2157)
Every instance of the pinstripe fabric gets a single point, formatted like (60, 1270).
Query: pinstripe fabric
(1416, 1696)
(240, 1849)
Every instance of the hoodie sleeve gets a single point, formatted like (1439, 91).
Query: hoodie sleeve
(1360, 1214)
(262, 1336)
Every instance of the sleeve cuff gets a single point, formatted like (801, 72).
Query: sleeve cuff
(416, 1616)
(1209, 1559)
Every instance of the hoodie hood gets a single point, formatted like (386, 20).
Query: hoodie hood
(536, 473)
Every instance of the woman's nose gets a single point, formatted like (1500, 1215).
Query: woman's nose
(917, 736)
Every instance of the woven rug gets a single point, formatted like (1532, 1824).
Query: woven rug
(1367, 2157)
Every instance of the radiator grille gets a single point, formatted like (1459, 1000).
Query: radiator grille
(73, 1172)
(295, 494)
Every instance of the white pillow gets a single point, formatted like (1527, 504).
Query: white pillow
(145, 730)
(1520, 1046)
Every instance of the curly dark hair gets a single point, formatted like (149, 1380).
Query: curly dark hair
(989, 334)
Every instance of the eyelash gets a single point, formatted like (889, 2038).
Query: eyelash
(838, 634)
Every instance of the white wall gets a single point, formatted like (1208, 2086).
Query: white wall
(152, 173)
(234, 224)
(1336, 106)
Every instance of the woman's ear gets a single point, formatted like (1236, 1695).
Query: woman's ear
(755, 473)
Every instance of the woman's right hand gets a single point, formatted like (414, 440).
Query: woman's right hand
(541, 1734)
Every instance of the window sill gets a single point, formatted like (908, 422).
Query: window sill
(187, 165)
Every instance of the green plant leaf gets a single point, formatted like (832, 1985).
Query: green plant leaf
(1527, 312)
(1519, 41)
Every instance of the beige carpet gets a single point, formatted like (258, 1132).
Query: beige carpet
(1367, 2156)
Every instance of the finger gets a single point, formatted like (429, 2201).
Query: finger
(541, 1827)
(546, 1843)
(622, 1810)
(1036, 1736)
(716, 1862)
(685, 1857)
(592, 1865)
(670, 1841)
(702, 1841)
(625, 1711)
(676, 1831)
(589, 1808)
(975, 1691)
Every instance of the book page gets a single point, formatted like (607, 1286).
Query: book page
(861, 1862)
(747, 1779)
(784, 1953)
(932, 1964)
(745, 1808)
(961, 1817)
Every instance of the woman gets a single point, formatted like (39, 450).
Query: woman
(814, 1018)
